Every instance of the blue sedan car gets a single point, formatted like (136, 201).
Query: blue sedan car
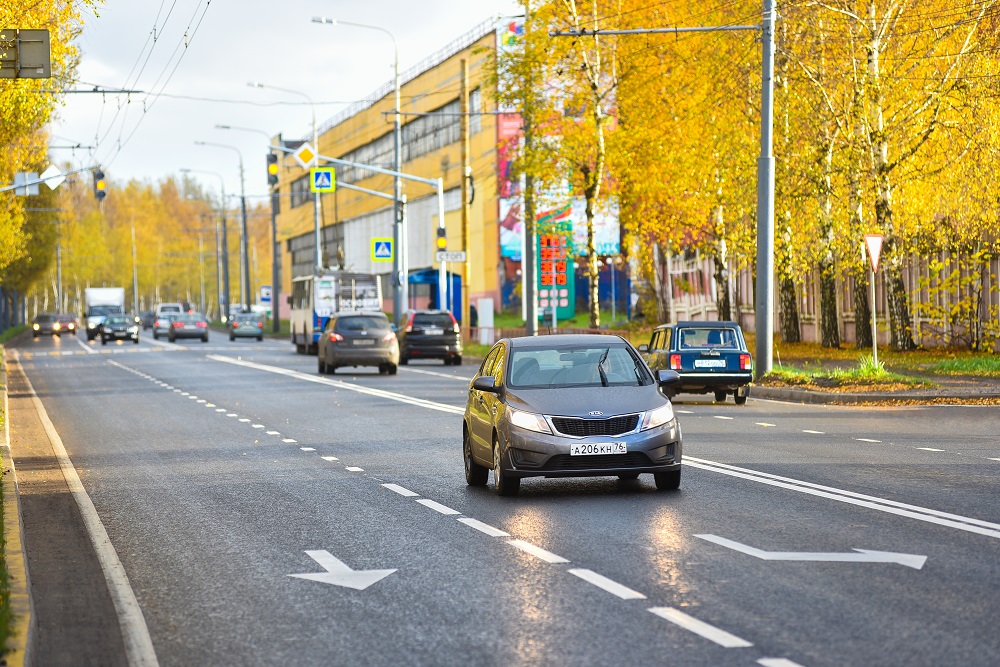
(710, 357)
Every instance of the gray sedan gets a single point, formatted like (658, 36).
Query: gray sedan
(569, 406)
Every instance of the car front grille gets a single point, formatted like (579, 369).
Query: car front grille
(606, 461)
(585, 427)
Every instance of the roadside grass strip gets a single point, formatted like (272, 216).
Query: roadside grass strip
(927, 515)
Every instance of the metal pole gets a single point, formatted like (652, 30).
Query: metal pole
(443, 267)
(244, 249)
(400, 281)
(59, 289)
(218, 269)
(135, 277)
(404, 252)
(224, 301)
(764, 307)
(613, 315)
(201, 271)
(466, 206)
(275, 262)
(874, 317)
(317, 202)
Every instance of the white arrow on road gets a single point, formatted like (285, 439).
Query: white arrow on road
(862, 555)
(339, 574)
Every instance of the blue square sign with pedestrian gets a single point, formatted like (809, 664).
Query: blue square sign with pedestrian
(382, 250)
(322, 179)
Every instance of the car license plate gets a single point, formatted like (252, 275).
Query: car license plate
(597, 448)
(709, 363)
(364, 341)
(433, 331)
(190, 326)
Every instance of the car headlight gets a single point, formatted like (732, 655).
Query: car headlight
(35, 327)
(133, 329)
(528, 420)
(657, 417)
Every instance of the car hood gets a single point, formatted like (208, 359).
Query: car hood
(581, 401)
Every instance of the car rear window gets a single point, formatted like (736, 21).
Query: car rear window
(117, 319)
(555, 367)
(170, 309)
(439, 320)
(707, 338)
(247, 318)
(361, 322)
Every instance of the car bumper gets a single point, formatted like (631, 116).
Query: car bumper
(246, 333)
(432, 351)
(201, 333)
(705, 382)
(364, 357)
(114, 335)
(530, 454)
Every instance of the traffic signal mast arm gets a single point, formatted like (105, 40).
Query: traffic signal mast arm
(36, 181)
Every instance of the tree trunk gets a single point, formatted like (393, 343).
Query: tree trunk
(789, 312)
(862, 312)
(720, 258)
(830, 326)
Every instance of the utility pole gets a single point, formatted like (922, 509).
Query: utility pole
(466, 205)
(135, 277)
(275, 260)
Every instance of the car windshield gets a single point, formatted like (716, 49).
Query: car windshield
(362, 322)
(439, 320)
(45, 318)
(605, 365)
(117, 319)
(103, 310)
(247, 318)
(709, 338)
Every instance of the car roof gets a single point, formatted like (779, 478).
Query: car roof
(563, 340)
(709, 324)
(348, 313)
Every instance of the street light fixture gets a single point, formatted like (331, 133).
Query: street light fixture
(400, 284)
(244, 259)
(317, 211)
(275, 253)
(224, 243)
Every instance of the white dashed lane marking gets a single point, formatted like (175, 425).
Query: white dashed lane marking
(329, 458)
(763, 424)
(273, 433)
(930, 449)
(709, 632)
(777, 662)
(354, 469)
(437, 507)
(722, 417)
(479, 525)
(866, 440)
(606, 584)
(805, 430)
(289, 440)
(537, 552)
(308, 449)
(396, 488)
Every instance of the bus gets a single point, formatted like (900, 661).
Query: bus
(316, 297)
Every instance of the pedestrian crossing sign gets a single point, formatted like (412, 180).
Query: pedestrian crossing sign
(382, 250)
(322, 179)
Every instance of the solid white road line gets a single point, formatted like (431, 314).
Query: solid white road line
(968, 524)
(537, 552)
(393, 396)
(440, 375)
(138, 645)
(86, 347)
(483, 527)
(709, 632)
(396, 488)
(606, 584)
(437, 507)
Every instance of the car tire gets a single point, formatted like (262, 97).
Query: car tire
(321, 364)
(667, 481)
(171, 339)
(34, 335)
(383, 369)
(720, 396)
(104, 341)
(457, 360)
(403, 360)
(231, 338)
(628, 476)
(136, 340)
(205, 339)
(156, 336)
(392, 369)
(260, 339)
(505, 484)
(741, 399)
(475, 474)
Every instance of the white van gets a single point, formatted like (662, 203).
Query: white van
(169, 308)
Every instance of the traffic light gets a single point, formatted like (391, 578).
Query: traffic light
(442, 238)
(272, 169)
(100, 185)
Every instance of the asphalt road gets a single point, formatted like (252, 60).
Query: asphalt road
(216, 467)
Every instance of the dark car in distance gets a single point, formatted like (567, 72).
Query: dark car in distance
(44, 323)
(358, 339)
(572, 405)
(429, 334)
(115, 327)
(710, 357)
(188, 325)
(146, 318)
(246, 325)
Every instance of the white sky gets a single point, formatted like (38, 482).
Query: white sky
(237, 41)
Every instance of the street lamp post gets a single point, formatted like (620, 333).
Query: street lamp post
(224, 294)
(275, 252)
(317, 201)
(244, 260)
(400, 285)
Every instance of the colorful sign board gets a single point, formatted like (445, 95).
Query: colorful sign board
(556, 277)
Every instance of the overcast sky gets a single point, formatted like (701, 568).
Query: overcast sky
(229, 43)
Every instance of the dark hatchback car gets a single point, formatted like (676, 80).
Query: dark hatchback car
(188, 325)
(358, 339)
(147, 317)
(710, 357)
(577, 405)
(44, 323)
(429, 334)
(246, 325)
(119, 327)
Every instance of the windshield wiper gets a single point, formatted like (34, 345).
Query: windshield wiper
(600, 367)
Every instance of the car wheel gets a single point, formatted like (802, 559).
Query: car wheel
(505, 484)
(35, 335)
(136, 340)
(171, 339)
(321, 364)
(741, 399)
(392, 369)
(403, 360)
(720, 396)
(104, 341)
(629, 476)
(667, 481)
(457, 361)
(260, 339)
(156, 336)
(231, 338)
(475, 474)
(383, 369)
(205, 339)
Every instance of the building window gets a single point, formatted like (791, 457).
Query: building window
(300, 192)
(475, 108)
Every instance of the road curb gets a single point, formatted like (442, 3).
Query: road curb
(21, 644)
(847, 398)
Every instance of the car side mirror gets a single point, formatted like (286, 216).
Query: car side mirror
(486, 383)
(643, 348)
(666, 377)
